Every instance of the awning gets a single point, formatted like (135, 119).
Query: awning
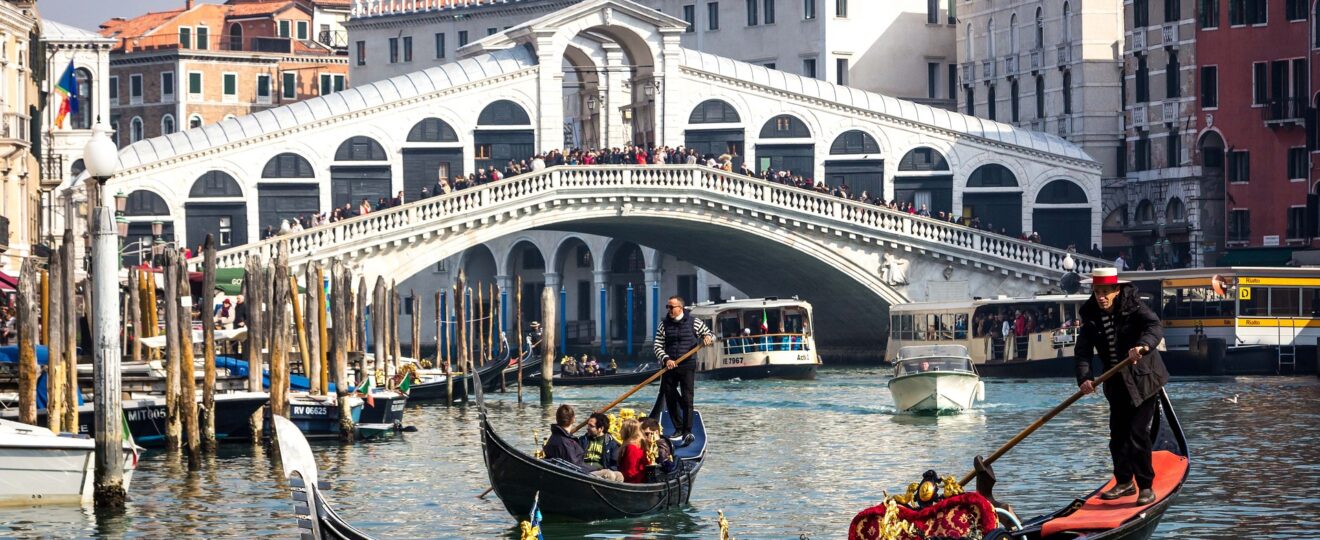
(1310, 257)
(1257, 257)
(230, 280)
(8, 283)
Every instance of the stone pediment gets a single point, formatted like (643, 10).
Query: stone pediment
(607, 10)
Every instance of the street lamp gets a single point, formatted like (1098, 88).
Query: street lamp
(157, 243)
(102, 160)
(592, 103)
(121, 223)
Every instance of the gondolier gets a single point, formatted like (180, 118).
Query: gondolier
(678, 333)
(1117, 326)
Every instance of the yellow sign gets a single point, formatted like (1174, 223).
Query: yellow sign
(1244, 293)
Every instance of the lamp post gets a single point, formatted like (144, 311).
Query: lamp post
(157, 243)
(121, 224)
(102, 160)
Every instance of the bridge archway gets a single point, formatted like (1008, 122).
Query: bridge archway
(288, 189)
(504, 133)
(855, 160)
(432, 151)
(924, 177)
(792, 149)
(525, 260)
(715, 128)
(626, 265)
(993, 195)
(216, 206)
(361, 171)
(1062, 215)
(573, 265)
(143, 208)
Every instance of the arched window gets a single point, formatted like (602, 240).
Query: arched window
(77, 168)
(432, 130)
(1067, 92)
(145, 203)
(83, 118)
(992, 175)
(714, 111)
(1040, 96)
(1013, 34)
(215, 184)
(1040, 28)
(167, 124)
(1061, 192)
(971, 43)
(1175, 211)
(1145, 212)
(194, 121)
(235, 37)
(990, 39)
(923, 159)
(135, 129)
(785, 126)
(288, 165)
(854, 142)
(1067, 23)
(360, 148)
(503, 113)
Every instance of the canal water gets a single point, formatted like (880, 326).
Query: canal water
(788, 459)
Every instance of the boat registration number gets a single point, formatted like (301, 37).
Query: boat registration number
(309, 411)
(397, 406)
(732, 361)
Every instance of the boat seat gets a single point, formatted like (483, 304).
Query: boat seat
(1098, 514)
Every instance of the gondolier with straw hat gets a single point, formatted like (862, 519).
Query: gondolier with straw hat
(1118, 327)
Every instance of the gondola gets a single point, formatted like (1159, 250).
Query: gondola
(629, 378)
(436, 388)
(1090, 518)
(316, 519)
(569, 493)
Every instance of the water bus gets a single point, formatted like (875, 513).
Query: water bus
(758, 338)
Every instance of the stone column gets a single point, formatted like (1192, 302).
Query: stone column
(615, 132)
(550, 96)
(653, 301)
(600, 306)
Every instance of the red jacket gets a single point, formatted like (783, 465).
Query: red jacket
(632, 463)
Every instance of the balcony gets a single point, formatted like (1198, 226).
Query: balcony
(14, 129)
(1037, 58)
(223, 42)
(1169, 35)
(335, 40)
(1011, 65)
(1139, 115)
(1171, 112)
(1063, 127)
(1284, 111)
(1139, 40)
(1037, 124)
(968, 72)
(988, 69)
(1065, 54)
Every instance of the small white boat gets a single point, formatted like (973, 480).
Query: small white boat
(39, 466)
(935, 378)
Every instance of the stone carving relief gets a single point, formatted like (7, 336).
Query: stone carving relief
(893, 269)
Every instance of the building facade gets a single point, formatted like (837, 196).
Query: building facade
(1052, 67)
(1256, 91)
(21, 71)
(207, 62)
(1171, 214)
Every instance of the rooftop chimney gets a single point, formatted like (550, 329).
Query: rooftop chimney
(187, 5)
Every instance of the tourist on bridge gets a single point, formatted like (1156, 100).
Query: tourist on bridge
(1118, 327)
(677, 334)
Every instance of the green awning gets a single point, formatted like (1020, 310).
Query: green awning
(230, 280)
(1257, 257)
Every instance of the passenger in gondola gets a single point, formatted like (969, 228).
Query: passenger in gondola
(561, 445)
(601, 451)
(659, 451)
(632, 459)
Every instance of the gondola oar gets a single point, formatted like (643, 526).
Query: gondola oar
(1048, 416)
(625, 395)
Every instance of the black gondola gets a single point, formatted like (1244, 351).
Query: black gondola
(571, 493)
(1090, 518)
(316, 519)
(146, 416)
(639, 374)
(438, 390)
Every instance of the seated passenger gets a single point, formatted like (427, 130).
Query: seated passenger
(561, 445)
(632, 459)
(600, 449)
(658, 450)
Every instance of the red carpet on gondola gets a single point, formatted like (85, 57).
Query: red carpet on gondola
(1097, 514)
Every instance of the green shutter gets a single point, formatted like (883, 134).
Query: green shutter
(290, 85)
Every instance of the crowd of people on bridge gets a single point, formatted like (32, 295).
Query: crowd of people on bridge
(637, 155)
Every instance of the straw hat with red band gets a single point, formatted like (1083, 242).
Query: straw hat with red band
(1104, 276)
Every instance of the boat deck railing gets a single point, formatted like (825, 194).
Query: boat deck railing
(764, 343)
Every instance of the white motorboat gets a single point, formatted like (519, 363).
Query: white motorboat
(38, 466)
(935, 378)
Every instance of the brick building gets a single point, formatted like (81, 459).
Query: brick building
(203, 63)
(1255, 95)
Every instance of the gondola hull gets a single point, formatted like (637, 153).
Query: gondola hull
(146, 416)
(439, 390)
(569, 494)
(618, 379)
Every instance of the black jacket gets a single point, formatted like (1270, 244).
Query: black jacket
(563, 446)
(1137, 325)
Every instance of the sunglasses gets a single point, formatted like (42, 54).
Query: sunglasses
(672, 306)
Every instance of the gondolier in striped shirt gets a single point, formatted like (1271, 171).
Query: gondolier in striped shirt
(1117, 326)
(678, 333)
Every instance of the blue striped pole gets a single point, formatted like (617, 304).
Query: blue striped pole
(603, 331)
(563, 321)
(630, 320)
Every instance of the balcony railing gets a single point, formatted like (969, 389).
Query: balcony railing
(1284, 111)
(1169, 35)
(968, 72)
(988, 69)
(1037, 58)
(1037, 124)
(1139, 114)
(14, 128)
(1065, 54)
(1171, 111)
(337, 39)
(1011, 65)
(1064, 126)
(222, 42)
(1139, 40)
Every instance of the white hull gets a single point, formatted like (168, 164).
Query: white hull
(934, 391)
(38, 467)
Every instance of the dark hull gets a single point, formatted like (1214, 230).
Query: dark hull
(804, 372)
(147, 419)
(316, 519)
(567, 493)
(620, 379)
(1063, 366)
(439, 391)
(388, 409)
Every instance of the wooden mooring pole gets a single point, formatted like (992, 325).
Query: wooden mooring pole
(208, 343)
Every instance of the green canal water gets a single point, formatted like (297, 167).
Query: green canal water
(788, 459)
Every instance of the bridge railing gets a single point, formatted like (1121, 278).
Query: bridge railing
(661, 179)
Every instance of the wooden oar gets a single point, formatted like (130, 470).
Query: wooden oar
(625, 395)
(1048, 416)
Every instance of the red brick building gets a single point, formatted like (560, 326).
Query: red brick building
(1255, 92)
(203, 63)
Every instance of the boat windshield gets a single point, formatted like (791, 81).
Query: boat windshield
(921, 365)
(926, 351)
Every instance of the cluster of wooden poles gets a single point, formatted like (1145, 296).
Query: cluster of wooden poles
(48, 314)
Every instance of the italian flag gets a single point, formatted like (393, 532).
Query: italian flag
(765, 323)
(365, 389)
